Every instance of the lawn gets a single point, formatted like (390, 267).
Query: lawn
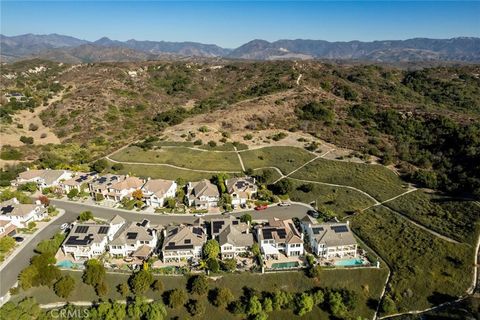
(162, 172)
(286, 159)
(367, 283)
(457, 219)
(181, 157)
(426, 270)
(341, 200)
(376, 180)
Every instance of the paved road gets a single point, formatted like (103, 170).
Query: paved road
(9, 274)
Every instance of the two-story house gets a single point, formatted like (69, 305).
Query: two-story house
(183, 242)
(136, 239)
(119, 190)
(99, 186)
(233, 236)
(79, 181)
(241, 189)
(45, 178)
(7, 228)
(21, 214)
(330, 240)
(279, 237)
(155, 191)
(202, 194)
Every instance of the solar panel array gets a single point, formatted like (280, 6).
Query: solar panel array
(103, 230)
(7, 209)
(281, 233)
(340, 229)
(217, 226)
(81, 229)
(132, 235)
(76, 241)
(187, 241)
(317, 230)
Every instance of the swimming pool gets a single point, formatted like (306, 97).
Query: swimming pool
(285, 265)
(349, 262)
(67, 264)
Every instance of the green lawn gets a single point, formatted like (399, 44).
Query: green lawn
(220, 147)
(367, 283)
(162, 172)
(458, 219)
(182, 157)
(341, 200)
(376, 180)
(286, 159)
(425, 269)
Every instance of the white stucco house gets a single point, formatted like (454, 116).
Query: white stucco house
(21, 214)
(279, 237)
(241, 189)
(136, 239)
(202, 194)
(45, 178)
(156, 191)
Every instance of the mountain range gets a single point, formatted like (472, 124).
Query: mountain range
(62, 48)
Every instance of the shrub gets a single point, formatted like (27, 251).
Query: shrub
(85, 216)
(32, 127)
(248, 136)
(176, 298)
(212, 143)
(26, 140)
(198, 284)
(222, 297)
(117, 167)
(140, 281)
(198, 142)
(213, 265)
(43, 136)
(195, 307)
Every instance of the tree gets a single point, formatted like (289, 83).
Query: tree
(229, 265)
(31, 225)
(101, 289)
(213, 265)
(29, 187)
(256, 249)
(337, 307)
(281, 299)
(304, 304)
(222, 297)
(246, 218)
(72, 193)
(267, 305)
(85, 216)
(44, 200)
(157, 285)
(6, 244)
(123, 289)
(94, 272)
(195, 307)
(64, 287)
(281, 187)
(176, 298)
(137, 195)
(211, 249)
(219, 181)
(388, 305)
(170, 203)
(253, 306)
(318, 297)
(117, 167)
(198, 284)
(156, 311)
(27, 277)
(248, 171)
(99, 165)
(140, 281)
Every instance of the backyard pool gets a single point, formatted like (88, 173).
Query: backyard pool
(285, 265)
(349, 262)
(67, 264)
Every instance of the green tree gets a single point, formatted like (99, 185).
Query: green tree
(195, 307)
(282, 299)
(72, 193)
(198, 284)
(6, 244)
(388, 305)
(123, 289)
(211, 249)
(213, 265)
(222, 297)
(94, 272)
(140, 281)
(64, 287)
(246, 218)
(176, 298)
(256, 249)
(85, 216)
(170, 203)
(282, 187)
(101, 289)
(157, 285)
(156, 311)
(337, 307)
(229, 265)
(99, 165)
(304, 304)
(267, 305)
(29, 187)
(254, 306)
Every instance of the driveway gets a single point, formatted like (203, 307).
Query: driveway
(10, 272)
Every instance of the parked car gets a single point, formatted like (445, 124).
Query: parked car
(64, 226)
(261, 207)
(284, 204)
(18, 239)
(198, 215)
(313, 213)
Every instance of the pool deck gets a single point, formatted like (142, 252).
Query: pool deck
(283, 259)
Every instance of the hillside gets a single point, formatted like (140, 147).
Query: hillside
(421, 121)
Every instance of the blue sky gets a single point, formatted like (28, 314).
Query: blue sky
(230, 24)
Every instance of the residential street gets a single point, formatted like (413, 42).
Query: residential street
(9, 274)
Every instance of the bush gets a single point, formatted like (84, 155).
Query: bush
(198, 284)
(29, 187)
(99, 165)
(229, 265)
(248, 136)
(195, 307)
(26, 140)
(123, 289)
(213, 265)
(85, 216)
(176, 298)
(32, 127)
(140, 281)
(9, 153)
(212, 143)
(117, 167)
(222, 297)
(316, 111)
(198, 142)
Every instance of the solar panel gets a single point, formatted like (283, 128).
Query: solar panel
(7, 209)
(144, 223)
(132, 235)
(340, 229)
(217, 226)
(317, 230)
(103, 230)
(81, 229)
(282, 233)
(76, 241)
(187, 241)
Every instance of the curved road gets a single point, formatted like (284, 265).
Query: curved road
(10, 272)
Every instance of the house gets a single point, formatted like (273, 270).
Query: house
(99, 186)
(134, 239)
(7, 228)
(155, 192)
(21, 214)
(119, 190)
(202, 194)
(183, 242)
(43, 178)
(241, 189)
(279, 236)
(330, 240)
(233, 236)
(79, 181)
(89, 239)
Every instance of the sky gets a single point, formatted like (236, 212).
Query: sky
(231, 24)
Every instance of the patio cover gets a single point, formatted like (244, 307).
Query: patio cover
(268, 249)
(142, 252)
